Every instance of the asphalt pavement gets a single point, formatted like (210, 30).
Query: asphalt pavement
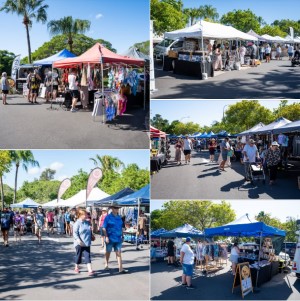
(277, 79)
(29, 271)
(33, 126)
(202, 179)
(166, 285)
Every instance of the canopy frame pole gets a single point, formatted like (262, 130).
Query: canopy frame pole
(144, 86)
(102, 89)
(257, 273)
(137, 221)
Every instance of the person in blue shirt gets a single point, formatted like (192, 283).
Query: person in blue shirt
(113, 232)
(39, 221)
(82, 233)
(5, 218)
(68, 220)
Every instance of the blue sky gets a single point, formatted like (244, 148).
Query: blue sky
(280, 209)
(269, 10)
(203, 112)
(68, 162)
(123, 23)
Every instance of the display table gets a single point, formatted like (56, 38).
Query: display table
(168, 63)
(156, 162)
(194, 69)
(265, 273)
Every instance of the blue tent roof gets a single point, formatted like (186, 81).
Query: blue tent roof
(27, 203)
(109, 200)
(204, 135)
(55, 57)
(244, 227)
(183, 231)
(132, 199)
(288, 128)
(158, 233)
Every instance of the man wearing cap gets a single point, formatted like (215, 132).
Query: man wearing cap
(187, 259)
(112, 228)
(250, 153)
(273, 158)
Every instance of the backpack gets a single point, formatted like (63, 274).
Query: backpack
(34, 84)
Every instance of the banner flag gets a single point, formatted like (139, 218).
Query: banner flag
(64, 186)
(15, 66)
(94, 177)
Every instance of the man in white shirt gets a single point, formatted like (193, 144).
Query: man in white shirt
(250, 154)
(187, 148)
(72, 79)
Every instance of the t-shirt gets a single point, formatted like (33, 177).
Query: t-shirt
(268, 50)
(50, 217)
(101, 219)
(72, 82)
(113, 226)
(170, 245)
(67, 217)
(251, 153)
(39, 217)
(234, 251)
(224, 147)
(187, 144)
(4, 85)
(189, 256)
(5, 220)
(290, 49)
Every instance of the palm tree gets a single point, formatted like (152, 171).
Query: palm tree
(24, 158)
(193, 14)
(208, 12)
(69, 27)
(108, 163)
(30, 10)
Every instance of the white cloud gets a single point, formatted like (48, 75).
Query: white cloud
(34, 171)
(98, 16)
(56, 165)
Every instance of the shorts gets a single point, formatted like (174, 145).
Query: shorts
(74, 93)
(267, 54)
(85, 251)
(5, 91)
(290, 54)
(212, 151)
(50, 224)
(116, 245)
(101, 231)
(4, 229)
(55, 87)
(187, 269)
(171, 252)
(187, 152)
(252, 56)
(68, 222)
(234, 258)
(16, 228)
(34, 91)
(224, 156)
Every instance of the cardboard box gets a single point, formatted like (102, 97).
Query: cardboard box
(173, 54)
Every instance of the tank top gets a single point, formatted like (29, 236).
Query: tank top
(4, 86)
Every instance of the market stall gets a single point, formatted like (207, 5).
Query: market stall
(195, 59)
(122, 73)
(264, 263)
(27, 203)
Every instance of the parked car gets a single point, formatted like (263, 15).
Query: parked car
(165, 46)
(289, 248)
(284, 256)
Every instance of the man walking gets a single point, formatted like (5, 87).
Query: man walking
(250, 153)
(187, 148)
(224, 148)
(112, 228)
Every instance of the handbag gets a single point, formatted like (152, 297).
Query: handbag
(93, 237)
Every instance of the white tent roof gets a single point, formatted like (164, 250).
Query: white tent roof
(273, 39)
(50, 204)
(209, 30)
(297, 39)
(280, 39)
(27, 203)
(79, 198)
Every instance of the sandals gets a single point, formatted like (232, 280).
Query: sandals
(91, 273)
(106, 268)
(76, 270)
(123, 272)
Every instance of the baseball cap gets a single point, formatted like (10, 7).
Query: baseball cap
(188, 239)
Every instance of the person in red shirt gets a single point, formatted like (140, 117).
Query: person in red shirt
(50, 220)
(100, 225)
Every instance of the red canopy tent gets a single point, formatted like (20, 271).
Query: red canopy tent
(96, 55)
(156, 133)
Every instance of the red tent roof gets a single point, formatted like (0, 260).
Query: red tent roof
(94, 56)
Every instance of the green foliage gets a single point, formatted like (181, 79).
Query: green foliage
(208, 13)
(39, 191)
(243, 20)
(166, 16)
(143, 47)
(271, 30)
(47, 174)
(200, 214)
(6, 60)
(285, 25)
(291, 112)
(5, 162)
(245, 114)
(81, 43)
(158, 122)
(155, 219)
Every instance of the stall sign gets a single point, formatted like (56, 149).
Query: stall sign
(243, 279)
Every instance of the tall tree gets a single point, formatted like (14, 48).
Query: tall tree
(159, 122)
(47, 174)
(291, 112)
(5, 164)
(108, 163)
(69, 27)
(24, 158)
(208, 12)
(193, 14)
(30, 10)
(6, 60)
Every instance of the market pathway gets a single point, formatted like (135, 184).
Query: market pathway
(277, 79)
(29, 271)
(27, 126)
(165, 285)
(202, 179)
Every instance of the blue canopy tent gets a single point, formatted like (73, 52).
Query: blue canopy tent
(253, 129)
(211, 134)
(158, 233)
(27, 203)
(288, 128)
(110, 199)
(184, 231)
(55, 57)
(204, 135)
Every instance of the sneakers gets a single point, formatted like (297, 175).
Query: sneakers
(106, 268)
(184, 284)
(191, 287)
(73, 110)
(123, 272)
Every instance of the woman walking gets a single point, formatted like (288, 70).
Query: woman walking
(218, 64)
(273, 158)
(82, 234)
(4, 87)
(187, 259)
(178, 151)
(212, 149)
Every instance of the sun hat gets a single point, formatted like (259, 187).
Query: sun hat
(275, 143)
(251, 141)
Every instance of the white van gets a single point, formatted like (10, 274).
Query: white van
(296, 262)
(165, 46)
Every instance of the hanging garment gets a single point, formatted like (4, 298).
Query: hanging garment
(83, 81)
(199, 251)
(216, 251)
(122, 104)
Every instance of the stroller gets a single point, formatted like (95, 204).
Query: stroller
(256, 172)
(296, 59)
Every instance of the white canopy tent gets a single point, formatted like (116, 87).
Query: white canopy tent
(27, 203)
(280, 39)
(209, 30)
(273, 39)
(50, 204)
(80, 198)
